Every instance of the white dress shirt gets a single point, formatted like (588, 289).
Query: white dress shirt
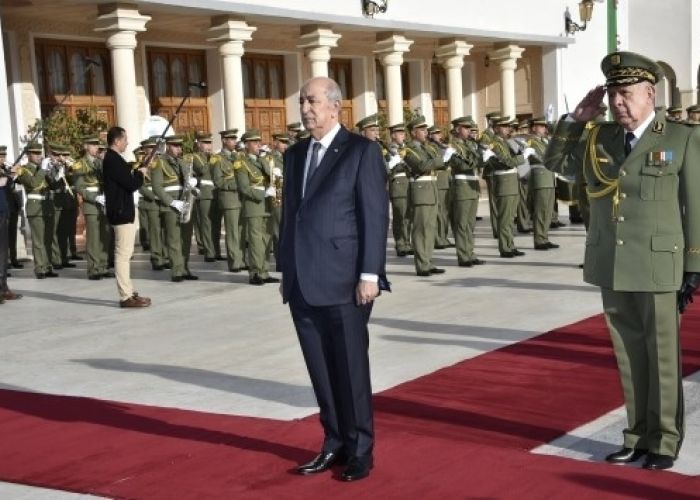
(640, 130)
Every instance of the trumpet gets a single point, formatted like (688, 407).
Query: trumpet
(188, 192)
(276, 181)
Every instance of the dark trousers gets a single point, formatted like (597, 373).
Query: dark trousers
(335, 342)
(4, 223)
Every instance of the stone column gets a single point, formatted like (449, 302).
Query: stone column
(451, 56)
(506, 57)
(231, 34)
(121, 23)
(390, 50)
(317, 43)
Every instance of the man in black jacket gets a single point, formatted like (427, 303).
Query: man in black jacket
(120, 183)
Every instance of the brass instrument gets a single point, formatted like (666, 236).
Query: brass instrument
(189, 193)
(276, 181)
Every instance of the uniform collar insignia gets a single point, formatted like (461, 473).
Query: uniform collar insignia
(658, 127)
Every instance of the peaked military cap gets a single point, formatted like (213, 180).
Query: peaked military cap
(695, 108)
(90, 139)
(230, 133)
(35, 147)
(674, 109)
(523, 124)
(540, 120)
(203, 137)
(464, 121)
(417, 122)
(398, 127)
(295, 126)
(176, 140)
(251, 135)
(434, 130)
(492, 114)
(281, 138)
(628, 68)
(368, 121)
(138, 151)
(3, 150)
(503, 121)
(150, 142)
(102, 145)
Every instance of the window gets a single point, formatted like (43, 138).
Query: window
(263, 76)
(340, 70)
(170, 71)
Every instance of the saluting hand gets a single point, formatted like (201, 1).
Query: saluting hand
(591, 106)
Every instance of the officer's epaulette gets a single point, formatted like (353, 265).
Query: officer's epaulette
(239, 162)
(188, 157)
(412, 151)
(155, 163)
(215, 159)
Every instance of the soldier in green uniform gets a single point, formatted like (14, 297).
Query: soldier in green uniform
(39, 210)
(143, 236)
(253, 178)
(293, 131)
(64, 205)
(501, 161)
(465, 189)
(693, 114)
(369, 127)
(209, 216)
(150, 208)
(224, 177)
(15, 201)
(542, 184)
(169, 175)
(520, 133)
(87, 181)
(423, 160)
(443, 185)
(487, 173)
(398, 190)
(641, 176)
(674, 114)
(280, 143)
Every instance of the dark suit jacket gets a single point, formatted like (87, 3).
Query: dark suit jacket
(339, 229)
(120, 182)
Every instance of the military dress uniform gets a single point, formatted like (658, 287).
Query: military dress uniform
(443, 186)
(64, 211)
(398, 174)
(208, 222)
(88, 183)
(276, 161)
(465, 191)
(542, 191)
(644, 233)
(149, 206)
(423, 160)
(15, 202)
(224, 178)
(168, 177)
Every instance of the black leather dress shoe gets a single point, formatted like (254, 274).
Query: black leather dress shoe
(108, 274)
(655, 461)
(16, 265)
(256, 280)
(209, 259)
(478, 262)
(436, 270)
(517, 253)
(358, 468)
(51, 274)
(40, 276)
(191, 277)
(57, 266)
(95, 277)
(68, 264)
(410, 252)
(401, 253)
(177, 279)
(541, 246)
(157, 267)
(507, 255)
(270, 279)
(75, 257)
(220, 257)
(440, 247)
(469, 263)
(552, 245)
(423, 273)
(322, 462)
(625, 455)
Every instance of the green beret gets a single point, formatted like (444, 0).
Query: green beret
(230, 133)
(35, 147)
(295, 126)
(3, 150)
(369, 121)
(150, 142)
(251, 135)
(90, 139)
(203, 137)
(628, 68)
(417, 122)
(398, 127)
(176, 140)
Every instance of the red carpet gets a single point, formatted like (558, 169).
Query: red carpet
(461, 432)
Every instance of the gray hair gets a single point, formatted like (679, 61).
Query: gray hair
(333, 92)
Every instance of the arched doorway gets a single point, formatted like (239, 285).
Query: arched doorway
(667, 90)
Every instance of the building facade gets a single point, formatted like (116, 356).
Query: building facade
(130, 60)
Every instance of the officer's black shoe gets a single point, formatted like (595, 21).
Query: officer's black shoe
(256, 280)
(108, 274)
(517, 253)
(95, 277)
(57, 266)
(15, 264)
(145, 248)
(401, 253)
(191, 277)
(625, 455)
(466, 264)
(157, 267)
(654, 461)
(51, 274)
(560, 223)
(551, 245)
(201, 251)
(68, 264)
(322, 462)
(423, 273)
(524, 231)
(177, 279)
(167, 265)
(358, 468)
(410, 252)
(220, 257)
(479, 217)
(234, 270)
(477, 262)
(209, 259)
(541, 246)
(436, 270)
(440, 247)
(75, 257)
(270, 279)
(507, 255)
(40, 276)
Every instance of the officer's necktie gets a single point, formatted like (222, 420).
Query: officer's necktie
(313, 164)
(629, 137)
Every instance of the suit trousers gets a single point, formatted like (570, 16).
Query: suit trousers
(335, 342)
(644, 330)
(124, 237)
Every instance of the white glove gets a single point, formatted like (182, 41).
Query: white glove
(270, 192)
(137, 196)
(487, 154)
(61, 173)
(100, 199)
(527, 152)
(448, 154)
(46, 163)
(192, 182)
(276, 172)
(178, 205)
(393, 161)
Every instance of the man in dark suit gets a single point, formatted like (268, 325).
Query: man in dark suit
(332, 257)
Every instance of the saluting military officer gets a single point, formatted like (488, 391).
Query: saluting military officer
(168, 177)
(642, 176)
(443, 185)
(465, 189)
(208, 222)
(88, 183)
(423, 160)
(542, 184)
(224, 177)
(503, 164)
(398, 190)
(487, 173)
(253, 177)
(39, 210)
